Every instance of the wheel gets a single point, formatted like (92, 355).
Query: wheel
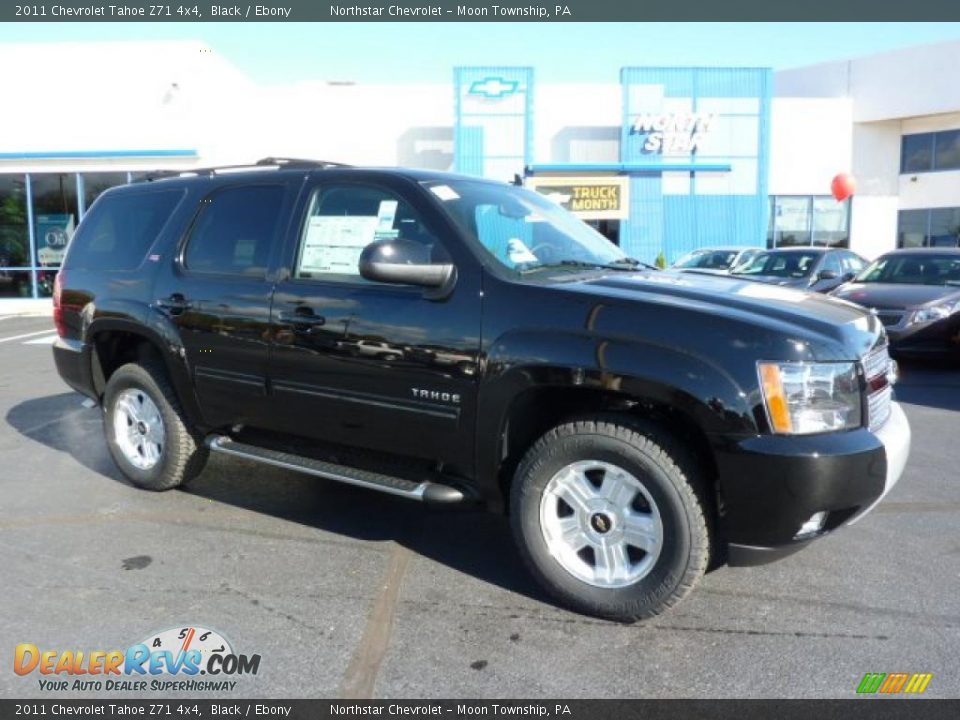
(607, 521)
(145, 428)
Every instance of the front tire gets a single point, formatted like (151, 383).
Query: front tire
(607, 520)
(146, 431)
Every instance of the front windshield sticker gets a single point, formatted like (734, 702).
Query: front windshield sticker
(444, 192)
(518, 252)
(333, 243)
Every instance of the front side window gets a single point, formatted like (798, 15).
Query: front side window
(779, 264)
(521, 229)
(235, 230)
(342, 220)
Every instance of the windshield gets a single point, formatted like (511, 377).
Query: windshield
(925, 269)
(521, 229)
(708, 259)
(779, 264)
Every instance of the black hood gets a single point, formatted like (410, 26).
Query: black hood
(794, 282)
(808, 317)
(895, 296)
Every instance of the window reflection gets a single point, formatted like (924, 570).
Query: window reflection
(55, 215)
(14, 237)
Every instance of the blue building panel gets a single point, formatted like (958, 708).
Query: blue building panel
(702, 118)
(493, 123)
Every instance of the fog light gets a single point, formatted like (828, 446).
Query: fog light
(813, 525)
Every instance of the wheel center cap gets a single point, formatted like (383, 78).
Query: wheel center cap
(601, 523)
(142, 427)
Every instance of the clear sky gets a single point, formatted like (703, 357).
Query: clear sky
(280, 53)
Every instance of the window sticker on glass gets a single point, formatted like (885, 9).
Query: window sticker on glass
(333, 244)
(445, 192)
(386, 214)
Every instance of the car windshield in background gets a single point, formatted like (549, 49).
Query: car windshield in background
(708, 259)
(779, 264)
(918, 269)
(523, 230)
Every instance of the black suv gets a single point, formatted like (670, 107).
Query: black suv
(455, 340)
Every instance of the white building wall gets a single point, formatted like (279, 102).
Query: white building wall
(811, 141)
(909, 82)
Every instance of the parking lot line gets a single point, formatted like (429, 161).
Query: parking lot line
(361, 674)
(43, 340)
(45, 331)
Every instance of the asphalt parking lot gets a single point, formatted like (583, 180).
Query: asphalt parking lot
(348, 593)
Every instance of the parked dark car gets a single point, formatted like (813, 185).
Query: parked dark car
(715, 260)
(417, 333)
(916, 295)
(817, 269)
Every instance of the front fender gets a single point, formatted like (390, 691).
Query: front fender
(626, 368)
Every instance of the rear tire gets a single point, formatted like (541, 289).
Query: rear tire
(146, 431)
(607, 521)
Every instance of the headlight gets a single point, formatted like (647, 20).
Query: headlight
(935, 312)
(803, 398)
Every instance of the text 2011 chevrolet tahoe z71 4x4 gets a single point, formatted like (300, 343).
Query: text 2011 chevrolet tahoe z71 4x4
(454, 340)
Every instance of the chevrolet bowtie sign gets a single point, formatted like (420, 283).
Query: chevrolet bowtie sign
(494, 87)
(589, 198)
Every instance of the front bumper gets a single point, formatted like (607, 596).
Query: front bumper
(771, 485)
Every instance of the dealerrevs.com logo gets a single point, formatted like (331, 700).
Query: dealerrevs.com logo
(166, 661)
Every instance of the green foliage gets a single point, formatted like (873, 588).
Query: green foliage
(661, 261)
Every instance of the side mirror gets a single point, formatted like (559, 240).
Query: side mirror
(847, 277)
(404, 262)
(827, 275)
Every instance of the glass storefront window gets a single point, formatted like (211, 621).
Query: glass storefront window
(791, 221)
(945, 227)
(95, 183)
(14, 237)
(808, 220)
(55, 218)
(937, 227)
(830, 222)
(912, 230)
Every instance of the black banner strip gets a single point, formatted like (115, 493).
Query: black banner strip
(452, 11)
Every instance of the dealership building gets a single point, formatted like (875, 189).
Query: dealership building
(659, 159)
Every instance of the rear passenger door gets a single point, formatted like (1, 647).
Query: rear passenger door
(218, 294)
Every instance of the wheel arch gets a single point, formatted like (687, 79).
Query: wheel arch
(117, 341)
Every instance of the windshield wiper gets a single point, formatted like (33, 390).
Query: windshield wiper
(633, 262)
(621, 264)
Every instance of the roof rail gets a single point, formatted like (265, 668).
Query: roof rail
(299, 162)
(262, 164)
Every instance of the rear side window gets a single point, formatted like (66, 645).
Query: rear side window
(235, 230)
(119, 229)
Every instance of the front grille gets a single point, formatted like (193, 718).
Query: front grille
(876, 367)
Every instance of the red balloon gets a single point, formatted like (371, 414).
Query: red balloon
(843, 186)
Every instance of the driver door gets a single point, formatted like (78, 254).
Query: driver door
(373, 365)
